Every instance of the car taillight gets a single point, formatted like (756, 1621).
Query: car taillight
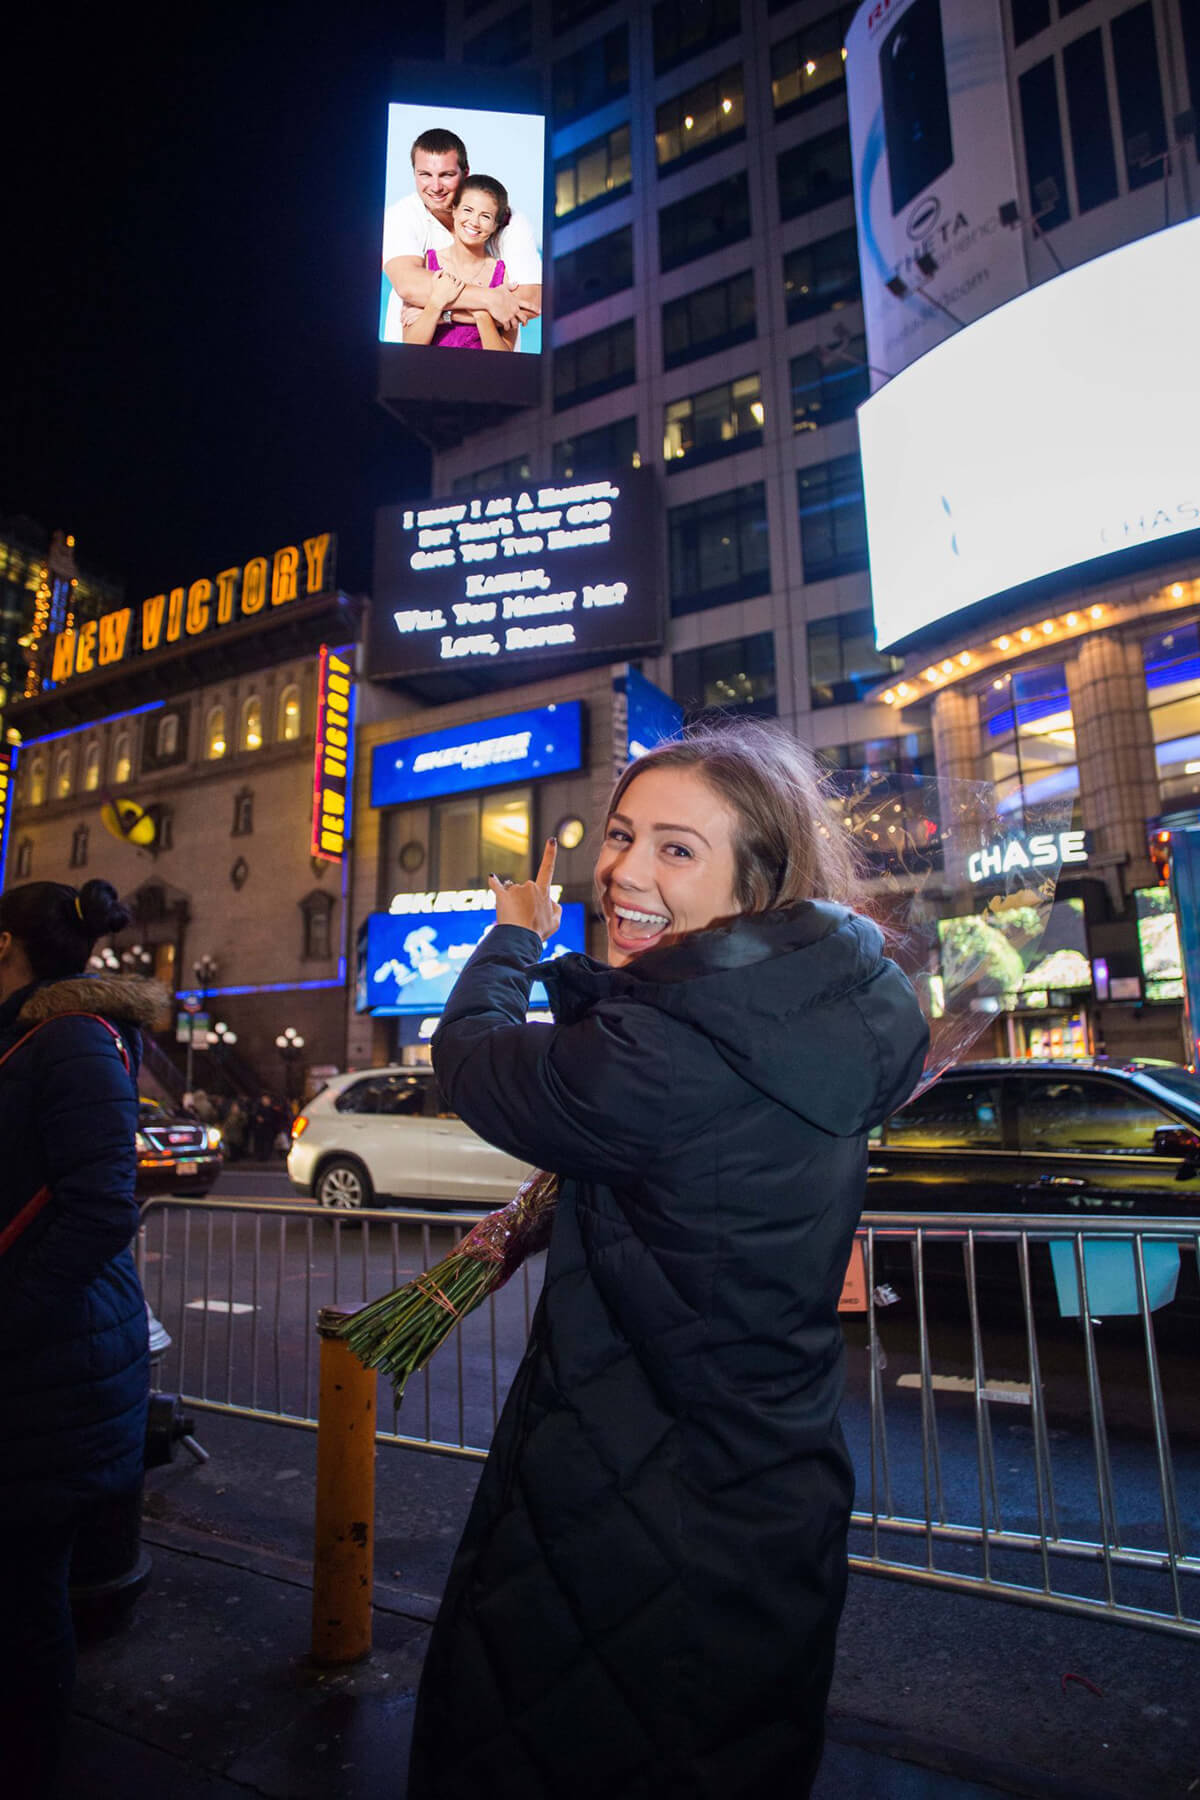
(299, 1126)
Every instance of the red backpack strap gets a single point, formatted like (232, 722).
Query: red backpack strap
(32, 1208)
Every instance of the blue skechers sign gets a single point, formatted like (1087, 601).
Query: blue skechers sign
(486, 753)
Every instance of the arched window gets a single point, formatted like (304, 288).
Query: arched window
(250, 734)
(25, 859)
(122, 757)
(287, 726)
(166, 737)
(37, 781)
(214, 733)
(62, 774)
(79, 847)
(91, 767)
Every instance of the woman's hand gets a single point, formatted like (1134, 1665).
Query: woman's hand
(529, 903)
(444, 290)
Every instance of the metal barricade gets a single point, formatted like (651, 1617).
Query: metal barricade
(1014, 1434)
(238, 1284)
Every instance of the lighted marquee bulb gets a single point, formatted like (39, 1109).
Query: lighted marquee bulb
(810, 68)
(1072, 620)
(889, 699)
(727, 106)
(688, 122)
(1004, 643)
(931, 673)
(947, 667)
(964, 657)
(1177, 591)
(999, 682)
(1048, 626)
(1095, 612)
(1026, 635)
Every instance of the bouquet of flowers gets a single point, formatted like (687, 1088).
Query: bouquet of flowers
(399, 1333)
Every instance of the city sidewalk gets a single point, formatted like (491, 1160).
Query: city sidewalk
(208, 1691)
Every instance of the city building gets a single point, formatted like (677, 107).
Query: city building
(195, 750)
(704, 312)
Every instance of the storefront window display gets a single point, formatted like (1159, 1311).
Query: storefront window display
(1172, 664)
(477, 835)
(1029, 737)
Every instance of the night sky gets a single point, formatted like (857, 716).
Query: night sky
(191, 263)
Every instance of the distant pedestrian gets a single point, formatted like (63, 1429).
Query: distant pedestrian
(203, 1108)
(264, 1126)
(74, 1372)
(233, 1134)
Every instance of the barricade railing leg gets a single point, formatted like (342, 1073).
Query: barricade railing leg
(344, 1539)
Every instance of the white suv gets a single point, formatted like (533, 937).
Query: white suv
(386, 1134)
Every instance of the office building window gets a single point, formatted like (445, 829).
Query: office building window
(62, 773)
(214, 734)
(705, 118)
(1139, 95)
(475, 835)
(79, 847)
(833, 524)
(1029, 739)
(250, 735)
(810, 65)
(719, 422)
(874, 760)
(122, 764)
(594, 365)
(684, 28)
(287, 715)
(591, 77)
(1172, 664)
(1041, 127)
(815, 172)
(595, 270)
(1028, 18)
(829, 386)
(1088, 119)
(597, 452)
(719, 550)
(594, 173)
(706, 221)
(565, 13)
(507, 41)
(91, 768)
(843, 662)
(513, 473)
(734, 677)
(822, 277)
(1189, 24)
(243, 813)
(712, 318)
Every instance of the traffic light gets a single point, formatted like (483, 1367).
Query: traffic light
(1160, 854)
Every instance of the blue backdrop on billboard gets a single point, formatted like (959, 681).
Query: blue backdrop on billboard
(522, 746)
(408, 962)
(652, 717)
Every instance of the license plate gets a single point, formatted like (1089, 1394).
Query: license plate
(187, 1168)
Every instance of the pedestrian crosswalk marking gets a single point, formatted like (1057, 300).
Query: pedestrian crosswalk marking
(1010, 1393)
(220, 1306)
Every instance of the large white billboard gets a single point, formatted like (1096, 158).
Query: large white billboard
(1055, 431)
(932, 146)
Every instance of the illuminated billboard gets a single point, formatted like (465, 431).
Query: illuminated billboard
(931, 143)
(1158, 941)
(560, 572)
(1017, 951)
(1053, 433)
(408, 963)
(463, 195)
(547, 740)
(461, 238)
(334, 755)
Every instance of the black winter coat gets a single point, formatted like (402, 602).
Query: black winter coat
(74, 1371)
(645, 1600)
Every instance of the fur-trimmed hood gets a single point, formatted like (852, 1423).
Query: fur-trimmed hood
(130, 998)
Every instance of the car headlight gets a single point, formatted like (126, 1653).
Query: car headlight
(142, 1142)
(213, 1134)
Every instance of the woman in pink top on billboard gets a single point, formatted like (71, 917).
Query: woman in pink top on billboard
(480, 209)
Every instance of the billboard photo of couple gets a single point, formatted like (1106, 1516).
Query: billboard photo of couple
(462, 229)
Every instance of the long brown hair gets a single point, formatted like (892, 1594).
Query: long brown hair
(789, 843)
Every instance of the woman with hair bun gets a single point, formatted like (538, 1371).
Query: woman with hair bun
(646, 1598)
(74, 1370)
(480, 210)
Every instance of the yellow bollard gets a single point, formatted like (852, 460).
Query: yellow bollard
(344, 1542)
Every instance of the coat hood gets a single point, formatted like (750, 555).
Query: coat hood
(130, 998)
(801, 1002)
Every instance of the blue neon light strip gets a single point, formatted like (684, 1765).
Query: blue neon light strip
(8, 811)
(130, 712)
(267, 987)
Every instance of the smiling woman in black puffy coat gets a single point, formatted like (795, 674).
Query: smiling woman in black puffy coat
(74, 1370)
(645, 1601)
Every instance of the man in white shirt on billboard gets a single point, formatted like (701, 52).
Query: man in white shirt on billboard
(422, 222)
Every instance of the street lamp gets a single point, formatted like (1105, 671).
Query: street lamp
(290, 1046)
(223, 1034)
(137, 960)
(205, 968)
(104, 961)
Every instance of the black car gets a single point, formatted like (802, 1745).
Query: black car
(175, 1154)
(1084, 1139)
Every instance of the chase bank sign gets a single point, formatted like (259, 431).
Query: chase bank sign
(1043, 850)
